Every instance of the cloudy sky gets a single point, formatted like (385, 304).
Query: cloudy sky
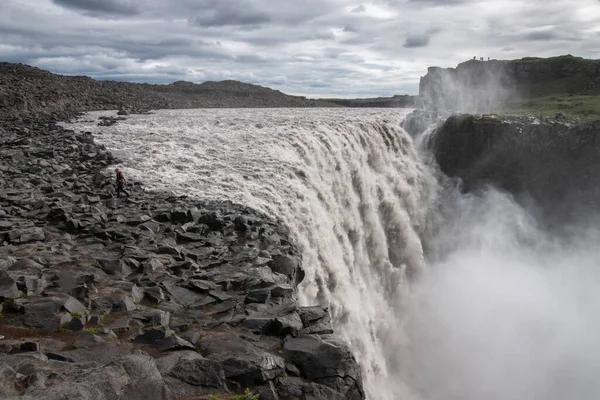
(310, 47)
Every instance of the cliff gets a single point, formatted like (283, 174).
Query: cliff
(26, 89)
(553, 164)
(484, 86)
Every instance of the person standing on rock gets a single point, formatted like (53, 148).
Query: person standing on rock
(121, 183)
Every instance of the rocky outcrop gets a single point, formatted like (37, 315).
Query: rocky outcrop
(146, 297)
(25, 89)
(418, 121)
(485, 86)
(554, 164)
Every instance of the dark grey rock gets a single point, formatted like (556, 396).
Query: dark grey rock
(173, 343)
(282, 290)
(188, 374)
(326, 360)
(8, 287)
(258, 296)
(284, 264)
(219, 295)
(33, 235)
(152, 335)
(115, 267)
(155, 293)
(152, 317)
(242, 362)
(86, 339)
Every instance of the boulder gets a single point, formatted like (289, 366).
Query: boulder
(188, 374)
(242, 362)
(326, 360)
(8, 287)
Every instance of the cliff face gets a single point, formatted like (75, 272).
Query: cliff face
(28, 89)
(484, 86)
(553, 164)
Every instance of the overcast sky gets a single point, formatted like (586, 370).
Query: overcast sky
(310, 47)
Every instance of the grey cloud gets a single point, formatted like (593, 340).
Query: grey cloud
(440, 2)
(543, 35)
(325, 35)
(413, 41)
(94, 7)
(225, 17)
(261, 41)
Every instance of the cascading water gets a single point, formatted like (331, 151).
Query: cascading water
(360, 200)
(347, 182)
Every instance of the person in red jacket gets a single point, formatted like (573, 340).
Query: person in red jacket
(121, 183)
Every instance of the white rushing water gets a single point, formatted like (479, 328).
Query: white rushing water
(501, 312)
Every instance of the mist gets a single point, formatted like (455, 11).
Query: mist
(505, 309)
(473, 86)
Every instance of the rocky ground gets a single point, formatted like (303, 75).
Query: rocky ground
(26, 89)
(150, 296)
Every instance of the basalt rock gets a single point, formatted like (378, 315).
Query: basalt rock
(550, 164)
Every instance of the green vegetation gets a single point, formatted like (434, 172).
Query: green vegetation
(92, 330)
(581, 106)
(77, 315)
(247, 395)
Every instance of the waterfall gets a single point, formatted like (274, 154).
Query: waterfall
(348, 183)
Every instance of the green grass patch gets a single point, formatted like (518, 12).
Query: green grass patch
(575, 106)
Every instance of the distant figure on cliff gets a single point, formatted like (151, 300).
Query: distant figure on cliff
(120, 183)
